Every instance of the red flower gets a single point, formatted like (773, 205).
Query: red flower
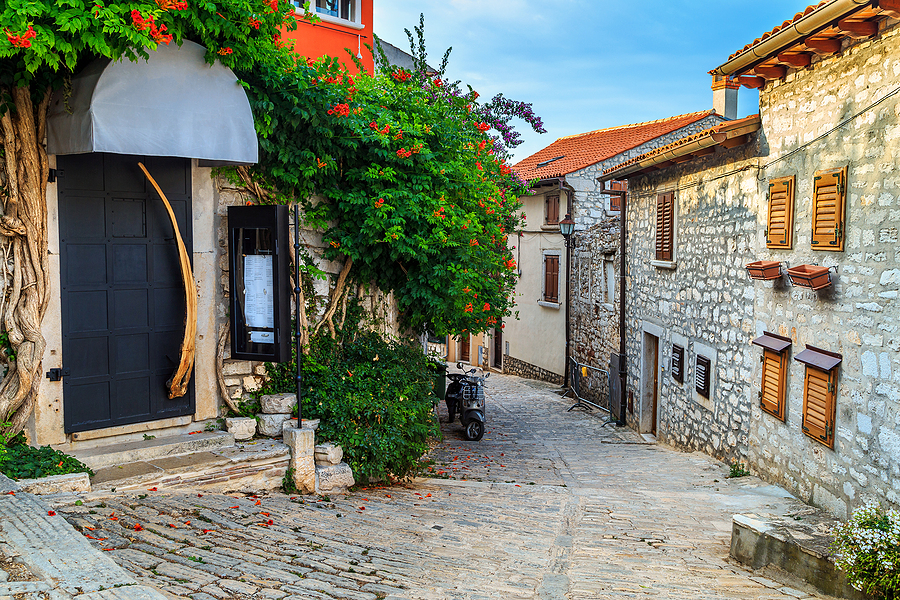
(486, 308)
(51, 513)
(254, 23)
(225, 51)
(473, 242)
(401, 75)
(469, 307)
(438, 83)
(505, 170)
(482, 126)
(510, 264)
(340, 110)
(478, 165)
(379, 203)
(137, 527)
(21, 41)
(273, 6)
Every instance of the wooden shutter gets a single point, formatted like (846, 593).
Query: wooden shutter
(552, 210)
(774, 376)
(702, 376)
(829, 189)
(678, 363)
(551, 279)
(665, 217)
(819, 405)
(779, 232)
(615, 201)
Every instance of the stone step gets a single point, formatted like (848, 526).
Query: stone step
(792, 549)
(136, 451)
(257, 465)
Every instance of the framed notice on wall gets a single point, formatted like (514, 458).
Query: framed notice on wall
(258, 246)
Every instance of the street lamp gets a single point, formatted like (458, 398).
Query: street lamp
(566, 228)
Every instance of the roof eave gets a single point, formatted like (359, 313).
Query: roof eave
(675, 150)
(789, 36)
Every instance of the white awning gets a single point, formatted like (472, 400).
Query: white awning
(174, 104)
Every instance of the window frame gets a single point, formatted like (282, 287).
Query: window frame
(547, 212)
(821, 195)
(557, 301)
(665, 201)
(776, 348)
(785, 186)
(821, 370)
(355, 22)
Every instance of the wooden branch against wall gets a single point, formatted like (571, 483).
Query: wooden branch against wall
(179, 382)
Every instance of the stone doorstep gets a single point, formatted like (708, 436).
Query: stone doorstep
(792, 549)
(142, 450)
(261, 461)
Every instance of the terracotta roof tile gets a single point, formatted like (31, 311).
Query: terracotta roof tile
(768, 34)
(574, 152)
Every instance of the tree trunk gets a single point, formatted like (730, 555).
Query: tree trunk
(23, 228)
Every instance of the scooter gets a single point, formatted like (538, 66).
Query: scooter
(465, 395)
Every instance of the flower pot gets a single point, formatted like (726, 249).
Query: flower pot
(764, 269)
(810, 276)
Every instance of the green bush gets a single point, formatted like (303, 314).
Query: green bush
(867, 549)
(373, 396)
(21, 461)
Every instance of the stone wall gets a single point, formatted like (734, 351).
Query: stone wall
(837, 113)
(702, 301)
(595, 304)
(514, 366)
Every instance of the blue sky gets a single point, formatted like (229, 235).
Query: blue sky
(588, 64)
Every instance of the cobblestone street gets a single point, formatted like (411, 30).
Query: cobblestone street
(548, 505)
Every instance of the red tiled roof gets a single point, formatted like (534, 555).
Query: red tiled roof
(769, 34)
(575, 152)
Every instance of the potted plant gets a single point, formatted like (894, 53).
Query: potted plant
(764, 269)
(813, 277)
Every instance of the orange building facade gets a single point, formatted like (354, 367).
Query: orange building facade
(343, 24)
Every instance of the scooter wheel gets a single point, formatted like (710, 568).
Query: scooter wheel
(474, 431)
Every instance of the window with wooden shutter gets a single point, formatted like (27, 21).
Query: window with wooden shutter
(615, 201)
(819, 394)
(779, 230)
(702, 376)
(551, 278)
(552, 210)
(829, 192)
(773, 390)
(678, 363)
(665, 225)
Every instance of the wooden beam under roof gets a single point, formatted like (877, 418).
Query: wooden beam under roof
(890, 7)
(858, 29)
(770, 71)
(754, 83)
(823, 46)
(799, 60)
(735, 142)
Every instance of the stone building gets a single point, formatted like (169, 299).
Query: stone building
(796, 375)
(565, 182)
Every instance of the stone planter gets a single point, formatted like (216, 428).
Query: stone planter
(764, 269)
(813, 277)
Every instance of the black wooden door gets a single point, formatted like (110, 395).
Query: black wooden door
(122, 293)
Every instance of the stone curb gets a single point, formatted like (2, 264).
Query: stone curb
(64, 561)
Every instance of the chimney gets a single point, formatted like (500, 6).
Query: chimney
(725, 95)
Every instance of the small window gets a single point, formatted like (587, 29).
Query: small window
(773, 390)
(551, 278)
(551, 210)
(829, 190)
(678, 363)
(819, 393)
(665, 226)
(702, 375)
(780, 227)
(341, 9)
(615, 200)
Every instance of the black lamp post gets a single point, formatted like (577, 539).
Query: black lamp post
(566, 228)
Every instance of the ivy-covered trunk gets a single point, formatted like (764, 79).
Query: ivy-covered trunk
(24, 264)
